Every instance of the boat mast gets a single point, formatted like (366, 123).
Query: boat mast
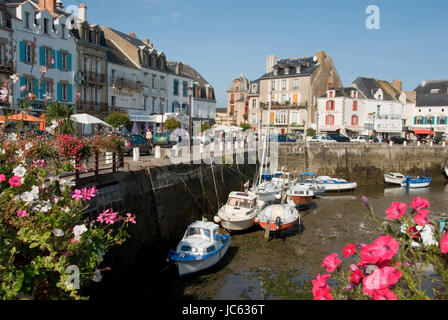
(265, 144)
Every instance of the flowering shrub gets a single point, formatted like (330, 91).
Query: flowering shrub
(72, 147)
(392, 267)
(43, 232)
(110, 143)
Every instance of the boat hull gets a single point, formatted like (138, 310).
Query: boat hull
(416, 185)
(339, 186)
(188, 267)
(273, 226)
(392, 180)
(301, 201)
(238, 225)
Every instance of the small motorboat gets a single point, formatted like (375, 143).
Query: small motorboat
(416, 182)
(281, 179)
(309, 178)
(335, 184)
(394, 178)
(278, 217)
(300, 195)
(200, 248)
(240, 211)
(268, 191)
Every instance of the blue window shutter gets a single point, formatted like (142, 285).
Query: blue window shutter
(22, 81)
(36, 87)
(59, 62)
(59, 91)
(438, 120)
(69, 92)
(446, 119)
(415, 120)
(42, 90)
(53, 53)
(22, 51)
(433, 119)
(42, 56)
(69, 62)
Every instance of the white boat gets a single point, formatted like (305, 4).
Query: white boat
(278, 217)
(310, 179)
(394, 178)
(281, 179)
(240, 211)
(200, 248)
(268, 191)
(426, 234)
(416, 182)
(446, 171)
(335, 184)
(299, 195)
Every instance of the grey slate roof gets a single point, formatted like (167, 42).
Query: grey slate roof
(368, 86)
(344, 92)
(114, 55)
(307, 67)
(427, 99)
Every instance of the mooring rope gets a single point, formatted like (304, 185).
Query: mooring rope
(214, 182)
(203, 191)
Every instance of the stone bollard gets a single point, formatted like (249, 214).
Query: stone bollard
(418, 143)
(158, 152)
(136, 154)
(221, 145)
(201, 148)
(175, 150)
(443, 143)
(391, 143)
(431, 144)
(405, 143)
(242, 144)
(229, 145)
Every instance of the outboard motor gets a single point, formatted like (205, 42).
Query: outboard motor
(278, 222)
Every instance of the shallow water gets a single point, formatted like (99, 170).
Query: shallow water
(282, 267)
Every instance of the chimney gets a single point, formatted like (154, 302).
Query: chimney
(320, 56)
(178, 67)
(397, 85)
(50, 5)
(132, 34)
(271, 61)
(59, 4)
(146, 41)
(83, 12)
(150, 45)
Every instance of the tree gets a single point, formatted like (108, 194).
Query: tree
(61, 113)
(245, 126)
(171, 124)
(310, 132)
(118, 118)
(205, 126)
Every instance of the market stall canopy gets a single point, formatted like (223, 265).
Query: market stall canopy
(85, 118)
(423, 131)
(23, 117)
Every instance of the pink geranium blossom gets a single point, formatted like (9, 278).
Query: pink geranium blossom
(384, 294)
(356, 276)
(320, 282)
(396, 210)
(444, 243)
(130, 218)
(419, 203)
(2, 177)
(77, 194)
(381, 278)
(381, 250)
(323, 294)
(331, 262)
(22, 213)
(349, 250)
(422, 217)
(15, 181)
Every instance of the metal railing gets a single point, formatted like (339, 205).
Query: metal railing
(100, 163)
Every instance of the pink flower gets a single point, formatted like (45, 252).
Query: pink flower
(382, 249)
(422, 217)
(77, 194)
(331, 262)
(130, 218)
(2, 177)
(320, 282)
(349, 250)
(22, 213)
(396, 210)
(74, 240)
(323, 294)
(444, 243)
(356, 276)
(384, 294)
(419, 203)
(381, 278)
(15, 181)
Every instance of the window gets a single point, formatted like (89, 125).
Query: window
(329, 120)
(280, 118)
(28, 51)
(283, 84)
(114, 101)
(355, 105)
(46, 26)
(296, 83)
(48, 88)
(64, 91)
(97, 66)
(176, 87)
(2, 50)
(27, 20)
(185, 88)
(64, 60)
(254, 104)
(96, 95)
(330, 94)
(63, 31)
(153, 62)
(273, 85)
(355, 94)
(29, 85)
(113, 73)
(85, 95)
(47, 57)
(153, 82)
(330, 105)
(354, 120)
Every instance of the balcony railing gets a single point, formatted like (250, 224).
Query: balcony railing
(96, 77)
(92, 106)
(5, 68)
(120, 82)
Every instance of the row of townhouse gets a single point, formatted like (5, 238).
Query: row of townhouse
(308, 93)
(59, 57)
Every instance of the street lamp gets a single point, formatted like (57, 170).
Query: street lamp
(190, 95)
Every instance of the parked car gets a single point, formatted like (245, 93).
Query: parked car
(163, 139)
(322, 138)
(397, 139)
(338, 137)
(136, 140)
(360, 139)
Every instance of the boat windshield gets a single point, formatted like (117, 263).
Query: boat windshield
(241, 203)
(198, 231)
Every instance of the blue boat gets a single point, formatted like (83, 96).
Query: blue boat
(416, 182)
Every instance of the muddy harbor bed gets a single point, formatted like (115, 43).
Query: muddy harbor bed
(283, 267)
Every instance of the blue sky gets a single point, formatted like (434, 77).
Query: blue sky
(221, 39)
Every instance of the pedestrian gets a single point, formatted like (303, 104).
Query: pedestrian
(148, 135)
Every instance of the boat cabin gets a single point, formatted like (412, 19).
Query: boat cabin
(242, 200)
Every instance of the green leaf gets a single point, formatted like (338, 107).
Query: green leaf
(17, 286)
(34, 244)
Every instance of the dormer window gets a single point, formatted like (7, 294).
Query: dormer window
(27, 20)
(435, 91)
(331, 94)
(63, 31)
(46, 26)
(355, 94)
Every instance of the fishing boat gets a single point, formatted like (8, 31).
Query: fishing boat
(394, 178)
(278, 217)
(309, 178)
(200, 248)
(299, 195)
(240, 211)
(416, 182)
(335, 184)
